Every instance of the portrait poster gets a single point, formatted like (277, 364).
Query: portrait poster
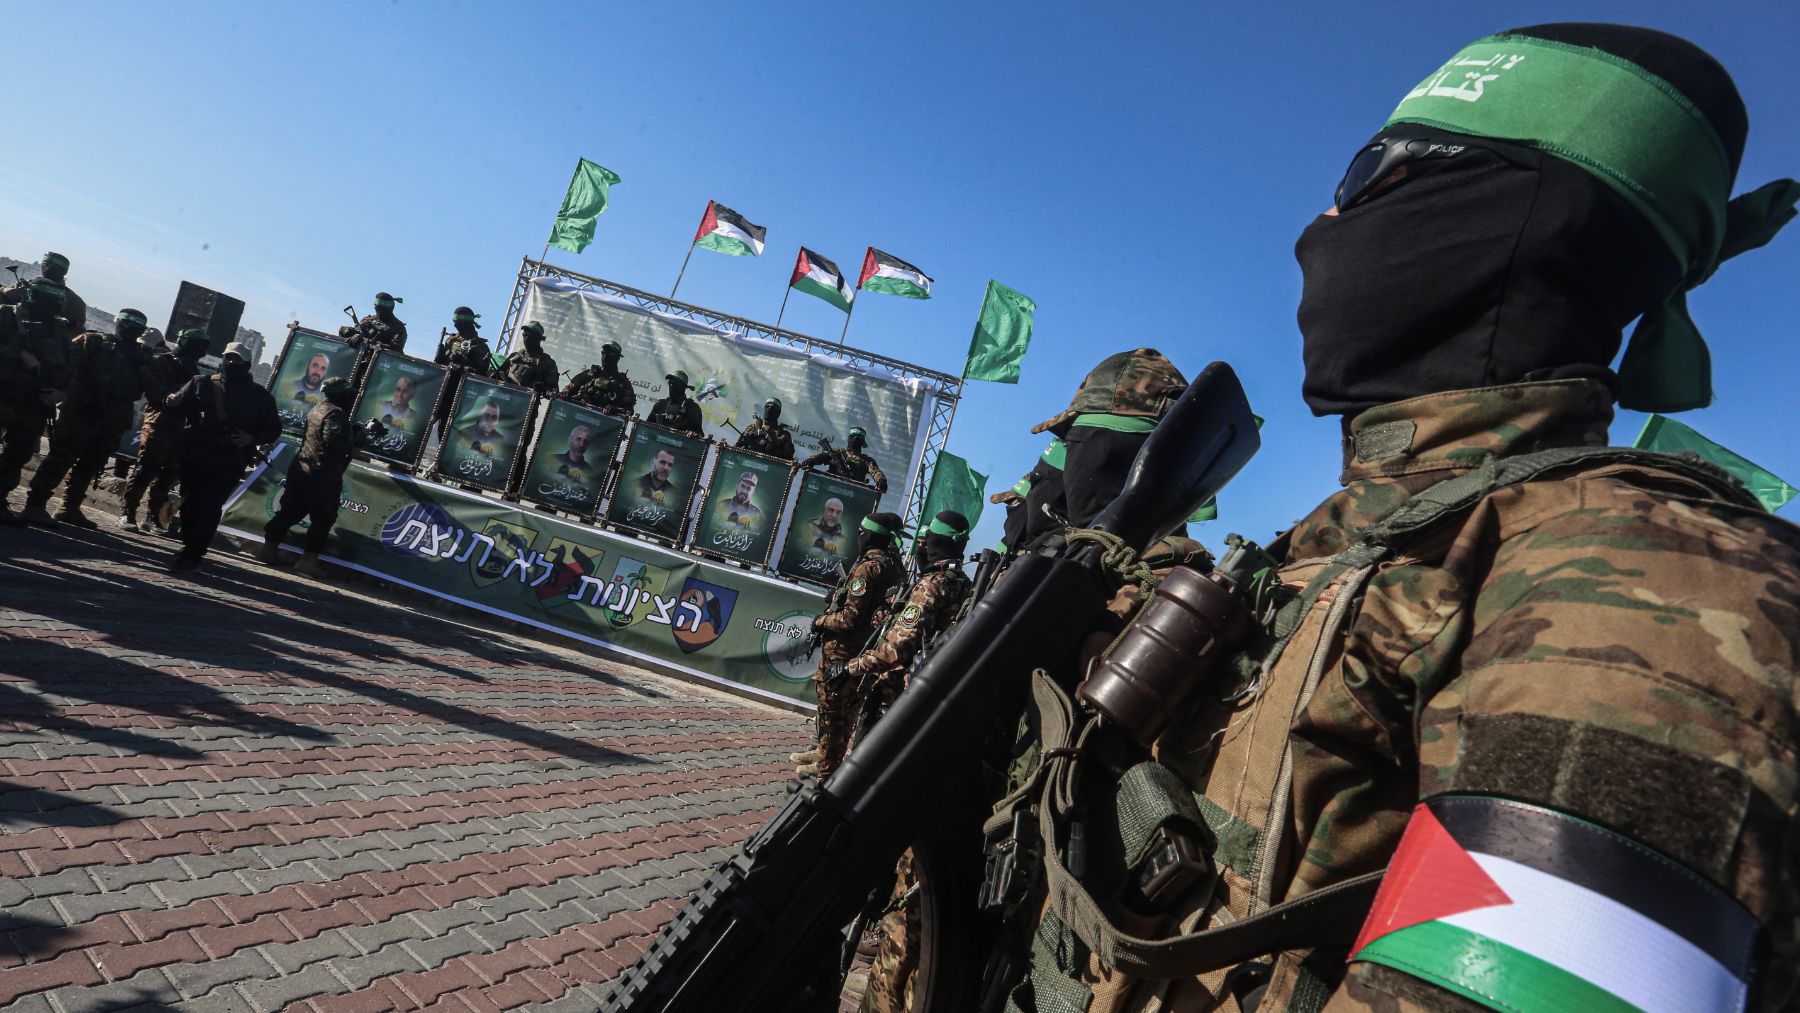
(822, 533)
(573, 454)
(657, 482)
(307, 360)
(487, 425)
(742, 506)
(403, 393)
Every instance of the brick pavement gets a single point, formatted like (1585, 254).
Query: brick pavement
(246, 791)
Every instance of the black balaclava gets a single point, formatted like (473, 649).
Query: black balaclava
(54, 266)
(866, 539)
(772, 412)
(129, 327)
(1094, 470)
(856, 442)
(236, 371)
(1030, 519)
(1500, 265)
(677, 390)
(935, 548)
(609, 359)
(463, 320)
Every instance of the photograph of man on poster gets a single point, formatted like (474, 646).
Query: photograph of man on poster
(654, 485)
(825, 533)
(398, 411)
(741, 510)
(399, 392)
(482, 435)
(306, 388)
(573, 462)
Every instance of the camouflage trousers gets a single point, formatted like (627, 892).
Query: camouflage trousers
(155, 469)
(897, 957)
(838, 702)
(21, 427)
(79, 448)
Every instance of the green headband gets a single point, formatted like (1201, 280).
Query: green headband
(938, 527)
(1640, 136)
(1055, 454)
(56, 259)
(465, 316)
(858, 431)
(772, 401)
(133, 316)
(389, 301)
(875, 526)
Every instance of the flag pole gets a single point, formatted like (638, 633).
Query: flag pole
(846, 329)
(684, 264)
(783, 312)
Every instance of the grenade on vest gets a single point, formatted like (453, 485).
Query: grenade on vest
(1190, 625)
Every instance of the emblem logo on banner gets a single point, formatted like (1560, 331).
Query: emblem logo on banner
(572, 561)
(784, 645)
(715, 604)
(511, 541)
(637, 576)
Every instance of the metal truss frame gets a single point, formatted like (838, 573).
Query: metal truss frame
(945, 389)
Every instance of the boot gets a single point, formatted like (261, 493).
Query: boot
(35, 509)
(71, 511)
(270, 553)
(127, 521)
(807, 770)
(810, 756)
(308, 566)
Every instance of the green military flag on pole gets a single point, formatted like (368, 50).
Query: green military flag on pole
(954, 486)
(581, 206)
(1668, 436)
(1002, 333)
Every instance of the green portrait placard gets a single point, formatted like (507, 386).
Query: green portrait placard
(569, 463)
(487, 426)
(307, 360)
(661, 472)
(822, 533)
(403, 393)
(742, 506)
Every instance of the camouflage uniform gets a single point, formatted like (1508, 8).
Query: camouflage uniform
(464, 356)
(683, 416)
(370, 336)
(851, 464)
(74, 308)
(931, 606)
(103, 389)
(1612, 640)
(864, 597)
(155, 469)
(611, 392)
(22, 420)
(315, 481)
(533, 372)
(761, 438)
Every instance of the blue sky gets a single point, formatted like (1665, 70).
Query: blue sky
(1141, 171)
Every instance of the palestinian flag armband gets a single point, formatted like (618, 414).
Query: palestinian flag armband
(1525, 909)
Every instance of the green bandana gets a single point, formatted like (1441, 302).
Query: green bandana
(1116, 423)
(134, 316)
(938, 527)
(465, 317)
(1055, 454)
(1640, 136)
(872, 525)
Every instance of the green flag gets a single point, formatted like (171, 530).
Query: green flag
(1671, 437)
(1208, 511)
(1002, 334)
(586, 199)
(955, 486)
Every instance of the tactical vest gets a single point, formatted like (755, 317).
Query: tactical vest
(1252, 772)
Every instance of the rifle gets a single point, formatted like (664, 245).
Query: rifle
(832, 604)
(761, 932)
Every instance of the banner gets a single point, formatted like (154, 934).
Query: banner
(306, 361)
(743, 506)
(822, 534)
(714, 621)
(822, 395)
(657, 482)
(486, 427)
(402, 392)
(575, 449)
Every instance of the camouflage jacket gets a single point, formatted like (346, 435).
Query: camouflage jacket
(872, 581)
(103, 383)
(761, 438)
(930, 607)
(682, 416)
(47, 343)
(611, 392)
(850, 464)
(471, 355)
(162, 375)
(325, 449)
(1613, 641)
(533, 372)
(74, 308)
(372, 334)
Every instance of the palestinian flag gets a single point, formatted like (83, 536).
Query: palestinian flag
(817, 276)
(883, 272)
(725, 231)
(1518, 907)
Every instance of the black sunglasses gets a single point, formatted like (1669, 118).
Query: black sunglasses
(1377, 161)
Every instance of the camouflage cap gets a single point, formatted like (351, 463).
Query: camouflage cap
(534, 329)
(334, 386)
(680, 376)
(1140, 383)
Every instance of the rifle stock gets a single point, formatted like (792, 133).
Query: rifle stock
(761, 934)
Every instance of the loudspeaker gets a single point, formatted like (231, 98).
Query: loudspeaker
(214, 312)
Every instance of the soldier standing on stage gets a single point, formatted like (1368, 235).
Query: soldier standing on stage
(856, 607)
(677, 411)
(467, 353)
(930, 607)
(315, 480)
(225, 418)
(53, 268)
(104, 384)
(767, 435)
(605, 386)
(531, 367)
(379, 331)
(33, 379)
(155, 469)
(851, 462)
